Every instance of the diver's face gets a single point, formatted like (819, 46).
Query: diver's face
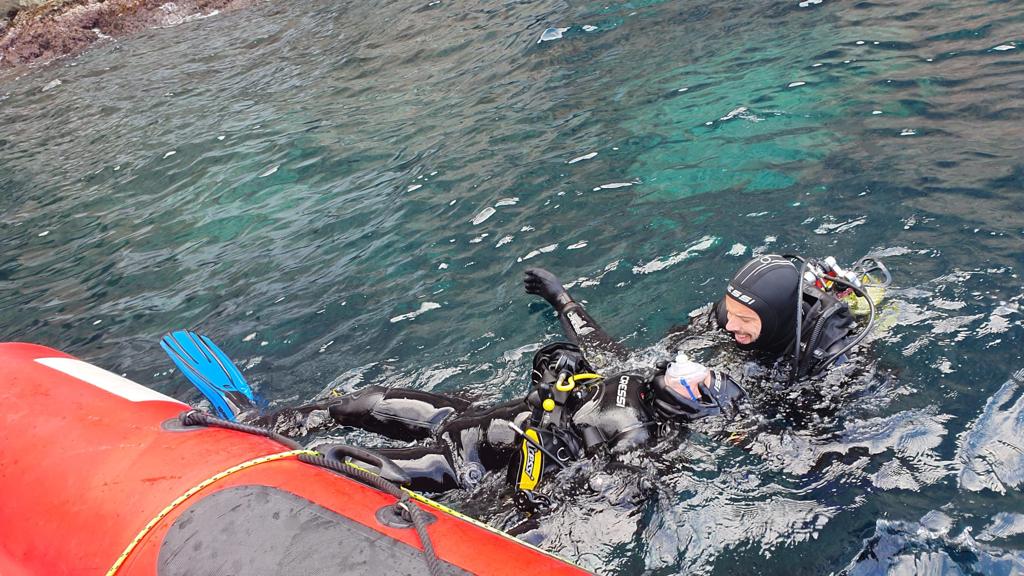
(743, 322)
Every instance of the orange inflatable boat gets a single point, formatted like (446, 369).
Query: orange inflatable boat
(100, 476)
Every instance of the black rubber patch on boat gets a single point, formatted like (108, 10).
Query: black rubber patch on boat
(255, 530)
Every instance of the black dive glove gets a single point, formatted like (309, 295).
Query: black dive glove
(546, 285)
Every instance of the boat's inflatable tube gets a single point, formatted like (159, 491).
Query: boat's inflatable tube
(88, 459)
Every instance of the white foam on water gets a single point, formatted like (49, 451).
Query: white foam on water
(832, 227)
(577, 246)
(743, 113)
(171, 153)
(552, 34)
(908, 132)
(795, 84)
(613, 185)
(504, 240)
(413, 187)
(1003, 47)
(737, 250)
(582, 158)
(424, 307)
(539, 251)
(483, 216)
(506, 202)
(734, 113)
(268, 171)
(584, 282)
(663, 263)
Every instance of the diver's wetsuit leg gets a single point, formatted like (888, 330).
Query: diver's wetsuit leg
(581, 329)
(430, 467)
(397, 413)
(470, 444)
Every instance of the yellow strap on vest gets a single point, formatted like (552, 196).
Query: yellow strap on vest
(192, 491)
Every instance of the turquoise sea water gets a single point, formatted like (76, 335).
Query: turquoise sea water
(347, 193)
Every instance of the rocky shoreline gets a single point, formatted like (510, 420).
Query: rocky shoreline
(34, 32)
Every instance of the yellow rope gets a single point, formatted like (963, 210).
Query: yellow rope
(163, 513)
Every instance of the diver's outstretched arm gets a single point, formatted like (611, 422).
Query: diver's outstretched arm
(577, 324)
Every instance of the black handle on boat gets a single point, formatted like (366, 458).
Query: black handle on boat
(386, 467)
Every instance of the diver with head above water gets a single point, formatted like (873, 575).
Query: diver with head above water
(799, 317)
(794, 315)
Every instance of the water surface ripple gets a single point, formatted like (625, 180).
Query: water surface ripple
(345, 193)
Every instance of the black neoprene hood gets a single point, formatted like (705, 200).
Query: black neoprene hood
(769, 286)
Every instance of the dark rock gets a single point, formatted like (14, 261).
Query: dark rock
(66, 27)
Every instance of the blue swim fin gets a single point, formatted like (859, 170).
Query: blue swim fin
(211, 371)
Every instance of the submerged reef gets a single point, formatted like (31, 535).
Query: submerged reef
(38, 32)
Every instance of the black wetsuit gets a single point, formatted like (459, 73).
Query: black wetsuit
(620, 412)
(463, 440)
(467, 440)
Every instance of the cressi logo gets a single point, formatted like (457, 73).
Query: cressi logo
(531, 461)
(620, 394)
(740, 295)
